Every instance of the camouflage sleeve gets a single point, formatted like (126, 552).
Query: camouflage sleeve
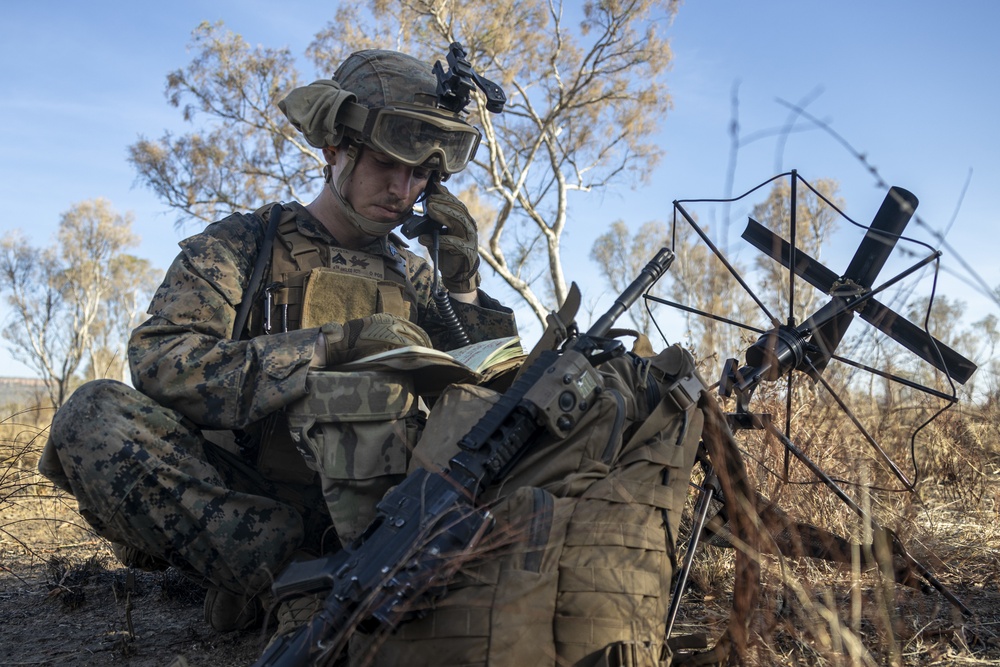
(490, 319)
(183, 355)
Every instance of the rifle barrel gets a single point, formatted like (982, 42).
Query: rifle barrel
(649, 275)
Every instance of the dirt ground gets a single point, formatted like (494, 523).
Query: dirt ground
(65, 601)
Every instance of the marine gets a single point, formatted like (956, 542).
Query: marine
(193, 466)
(246, 444)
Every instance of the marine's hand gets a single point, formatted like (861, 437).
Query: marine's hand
(459, 258)
(340, 343)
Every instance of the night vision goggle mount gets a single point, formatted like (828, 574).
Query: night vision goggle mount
(456, 84)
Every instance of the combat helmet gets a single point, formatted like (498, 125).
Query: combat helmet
(390, 102)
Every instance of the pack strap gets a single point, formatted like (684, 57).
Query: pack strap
(680, 397)
(306, 256)
(258, 270)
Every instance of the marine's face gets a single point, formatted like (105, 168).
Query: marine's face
(382, 189)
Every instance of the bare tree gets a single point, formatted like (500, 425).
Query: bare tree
(944, 318)
(696, 279)
(76, 300)
(244, 152)
(584, 99)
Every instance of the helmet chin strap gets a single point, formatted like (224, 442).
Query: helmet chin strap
(361, 223)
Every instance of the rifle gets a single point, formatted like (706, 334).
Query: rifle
(425, 524)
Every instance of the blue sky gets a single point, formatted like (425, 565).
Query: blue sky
(913, 85)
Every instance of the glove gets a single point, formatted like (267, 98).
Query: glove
(459, 247)
(369, 335)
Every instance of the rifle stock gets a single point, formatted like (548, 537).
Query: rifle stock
(426, 526)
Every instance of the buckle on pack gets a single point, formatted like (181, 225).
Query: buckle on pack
(686, 391)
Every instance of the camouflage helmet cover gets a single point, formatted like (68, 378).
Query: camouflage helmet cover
(405, 118)
(400, 114)
(382, 78)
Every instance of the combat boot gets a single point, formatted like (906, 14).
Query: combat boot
(296, 611)
(227, 612)
(129, 556)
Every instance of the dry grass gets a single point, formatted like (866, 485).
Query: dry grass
(810, 613)
(819, 613)
(35, 517)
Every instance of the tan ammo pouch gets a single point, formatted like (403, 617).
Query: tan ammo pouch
(355, 425)
(498, 612)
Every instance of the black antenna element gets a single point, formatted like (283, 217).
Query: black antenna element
(456, 84)
(858, 281)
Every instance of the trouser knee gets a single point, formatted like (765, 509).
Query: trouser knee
(108, 436)
(142, 477)
(80, 412)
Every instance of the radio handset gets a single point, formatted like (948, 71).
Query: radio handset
(416, 225)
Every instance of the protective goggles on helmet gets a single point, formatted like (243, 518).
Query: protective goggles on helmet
(418, 137)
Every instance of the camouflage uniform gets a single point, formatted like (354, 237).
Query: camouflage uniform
(139, 462)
